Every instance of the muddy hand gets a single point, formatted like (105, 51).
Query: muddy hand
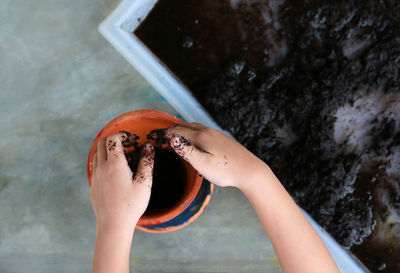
(119, 197)
(217, 157)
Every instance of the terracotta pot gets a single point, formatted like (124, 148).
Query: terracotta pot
(197, 191)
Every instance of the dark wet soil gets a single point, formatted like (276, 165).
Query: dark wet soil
(158, 137)
(169, 178)
(312, 88)
(169, 182)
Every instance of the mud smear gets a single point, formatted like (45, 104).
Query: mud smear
(312, 88)
(169, 177)
(129, 140)
(158, 137)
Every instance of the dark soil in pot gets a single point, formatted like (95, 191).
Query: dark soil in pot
(169, 177)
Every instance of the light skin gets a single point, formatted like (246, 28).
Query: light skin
(120, 198)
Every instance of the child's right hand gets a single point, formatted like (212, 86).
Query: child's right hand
(225, 162)
(217, 157)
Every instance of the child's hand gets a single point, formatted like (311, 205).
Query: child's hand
(225, 162)
(118, 198)
(217, 157)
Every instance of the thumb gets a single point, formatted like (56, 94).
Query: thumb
(144, 173)
(185, 149)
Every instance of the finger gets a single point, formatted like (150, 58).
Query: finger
(186, 132)
(101, 151)
(162, 137)
(95, 161)
(192, 125)
(115, 151)
(185, 149)
(144, 173)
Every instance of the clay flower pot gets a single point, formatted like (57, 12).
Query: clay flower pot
(197, 192)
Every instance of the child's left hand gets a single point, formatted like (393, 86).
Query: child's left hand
(119, 198)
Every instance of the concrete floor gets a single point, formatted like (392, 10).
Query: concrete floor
(61, 82)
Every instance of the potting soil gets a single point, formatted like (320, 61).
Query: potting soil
(312, 88)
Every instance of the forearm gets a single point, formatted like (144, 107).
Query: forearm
(112, 250)
(296, 243)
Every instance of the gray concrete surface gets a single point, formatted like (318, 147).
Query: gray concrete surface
(60, 83)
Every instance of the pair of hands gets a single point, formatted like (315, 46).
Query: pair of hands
(120, 198)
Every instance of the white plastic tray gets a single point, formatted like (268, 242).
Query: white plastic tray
(118, 30)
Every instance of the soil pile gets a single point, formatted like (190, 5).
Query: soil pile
(312, 88)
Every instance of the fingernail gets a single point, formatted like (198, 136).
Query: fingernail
(176, 142)
(148, 148)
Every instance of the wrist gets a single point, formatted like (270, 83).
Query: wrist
(112, 249)
(113, 227)
(260, 174)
